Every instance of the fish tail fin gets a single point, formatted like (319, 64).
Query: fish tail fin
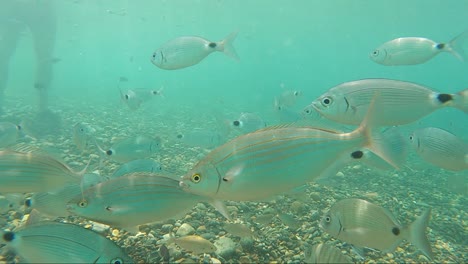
(417, 233)
(461, 100)
(388, 145)
(226, 46)
(456, 46)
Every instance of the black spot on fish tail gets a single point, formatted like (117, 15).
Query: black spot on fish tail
(180, 136)
(109, 152)
(396, 231)
(236, 123)
(8, 236)
(28, 203)
(440, 46)
(212, 45)
(357, 154)
(443, 98)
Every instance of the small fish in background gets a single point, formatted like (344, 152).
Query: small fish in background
(202, 138)
(133, 98)
(9, 134)
(324, 253)
(264, 219)
(287, 99)
(238, 229)
(248, 122)
(54, 203)
(54, 242)
(287, 115)
(132, 148)
(139, 165)
(187, 51)
(401, 102)
(364, 224)
(414, 50)
(25, 172)
(192, 243)
(440, 148)
(132, 200)
(83, 135)
(289, 220)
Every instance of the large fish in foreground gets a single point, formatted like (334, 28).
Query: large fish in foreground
(54, 242)
(404, 102)
(441, 148)
(414, 50)
(272, 161)
(133, 199)
(183, 52)
(364, 224)
(24, 172)
(324, 253)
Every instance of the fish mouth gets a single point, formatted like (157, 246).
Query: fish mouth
(183, 185)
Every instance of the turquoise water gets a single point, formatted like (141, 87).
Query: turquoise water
(307, 45)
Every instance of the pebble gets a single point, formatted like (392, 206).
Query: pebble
(185, 230)
(225, 247)
(115, 232)
(100, 228)
(340, 174)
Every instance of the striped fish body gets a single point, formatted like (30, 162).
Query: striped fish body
(33, 172)
(441, 148)
(269, 162)
(139, 165)
(54, 242)
(324, 253)
(402, 102)
(132, 200)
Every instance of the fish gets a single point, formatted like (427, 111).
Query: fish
(405, 102)
(83, 135)
(238, 229)
(25, 172)
(416, 50)
(133, 98)
(248, 122)
(164, 253)
(440, 148)
(289, 220)
(139, 165)
(202, 138)
(287, 99)
(193, 243)
(55, 203)
(132, 148)
(187, 51)
(132, 200)
(364, 224)
(274, 160)
(55, 242)
(324, 253)
(264, 219)
(9, 134)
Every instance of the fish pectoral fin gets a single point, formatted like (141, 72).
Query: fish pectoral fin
(233, 173)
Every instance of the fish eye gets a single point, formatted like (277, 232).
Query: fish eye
(375, 53)
(411, 137)
(327, 219)
(327, 101)
(117, 261)
(82, 203)
(196, 178)
(154, 55)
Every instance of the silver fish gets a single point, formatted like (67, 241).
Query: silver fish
(183, 52)
(324, 253)
(133, 98)
(202, 138)
(9, 134)
(364, 224)
(248, 122)
(193, 243)
(287, 99)
(441, 148)
(23, 172)
(133, 199)
(402, 102)
(55, 203)
(413, 50)
(238, 229)
(139, 165)
(83, 135)
(132, 148)
(54, 242)
(256, 166)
